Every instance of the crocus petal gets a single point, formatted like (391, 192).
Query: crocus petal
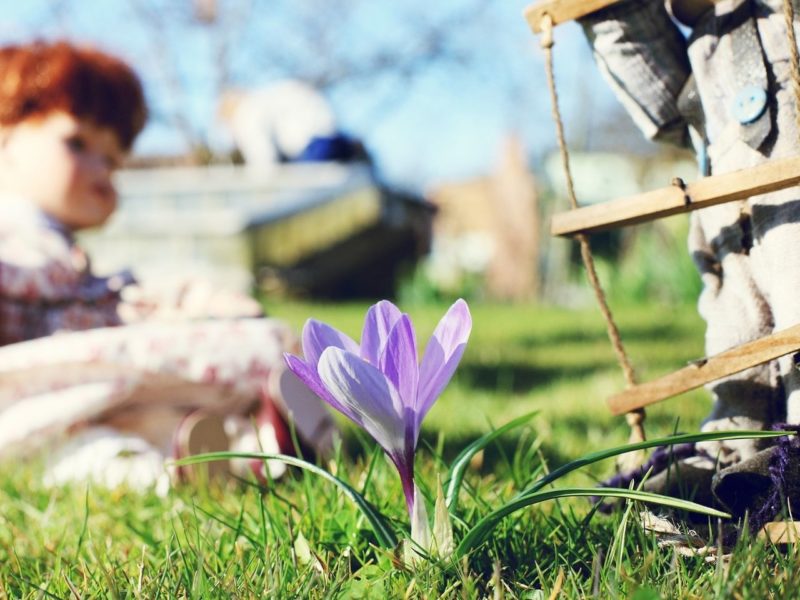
(365, 393)
(442, 356)
(317, 336)
(308, 375)
(399, 362)
(381, 319)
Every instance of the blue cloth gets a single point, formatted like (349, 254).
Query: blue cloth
(338, 147)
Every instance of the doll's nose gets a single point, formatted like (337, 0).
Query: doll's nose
(99, 164)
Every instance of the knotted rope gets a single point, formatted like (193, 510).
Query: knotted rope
(635, 418)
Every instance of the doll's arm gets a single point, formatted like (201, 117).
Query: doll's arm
(185, 300)
(642, 54)
(36, 302)
(46, 286)
(37, 269)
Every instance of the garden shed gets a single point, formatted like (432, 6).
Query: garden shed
(314, 229)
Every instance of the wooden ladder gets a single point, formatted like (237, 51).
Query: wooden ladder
(675, 199)
(708, 191)
(664, 202)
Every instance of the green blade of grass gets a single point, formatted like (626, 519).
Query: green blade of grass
(673, 440)
(383, 532)
(478, 534)
(455, 475)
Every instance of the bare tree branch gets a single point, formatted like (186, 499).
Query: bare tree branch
(155, 23)
(326, 43)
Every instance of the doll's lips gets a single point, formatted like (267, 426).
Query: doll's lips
(105, 193)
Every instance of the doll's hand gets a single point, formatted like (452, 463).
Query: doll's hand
(137, 304)
(194, 299)
(201, 300)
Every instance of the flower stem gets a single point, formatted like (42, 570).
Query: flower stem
(405, 467)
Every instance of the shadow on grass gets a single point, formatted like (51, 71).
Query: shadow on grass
(517, 376)
(497, 458)
(633, 333)
(501, 452)
(563, 336)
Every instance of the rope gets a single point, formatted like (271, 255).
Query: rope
(635, 418)
(788, 13)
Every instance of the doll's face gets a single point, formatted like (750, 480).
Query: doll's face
(64, 165)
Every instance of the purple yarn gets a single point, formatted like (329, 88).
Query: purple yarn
(788, 450)
(659, 461)
(787, 453)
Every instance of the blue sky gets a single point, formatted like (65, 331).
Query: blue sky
(447, 123)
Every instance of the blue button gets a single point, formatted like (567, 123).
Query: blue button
(749, 104)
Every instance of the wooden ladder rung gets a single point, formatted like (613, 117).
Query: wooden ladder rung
(561, 11)
(663, 202)
(781, 532)
(697, 374)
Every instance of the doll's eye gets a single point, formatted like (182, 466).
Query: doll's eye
(76, 143)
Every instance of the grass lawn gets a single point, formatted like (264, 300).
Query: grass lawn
(304, 539)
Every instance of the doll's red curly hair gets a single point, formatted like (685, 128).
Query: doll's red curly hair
(43, 77)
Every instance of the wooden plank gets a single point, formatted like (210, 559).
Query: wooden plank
(697, 374)
(781, 532)
(562, 11)
(663, 202)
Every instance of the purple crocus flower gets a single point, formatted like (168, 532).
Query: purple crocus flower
(380, 385)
